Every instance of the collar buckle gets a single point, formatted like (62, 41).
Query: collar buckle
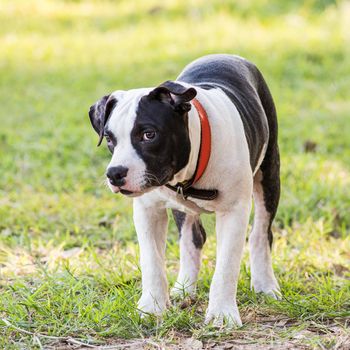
(180, 191)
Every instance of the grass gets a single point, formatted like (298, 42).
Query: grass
(68, 251)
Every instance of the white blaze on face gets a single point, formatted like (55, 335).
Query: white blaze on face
(121, 123)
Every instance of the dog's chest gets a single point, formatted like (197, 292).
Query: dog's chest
(190, 205)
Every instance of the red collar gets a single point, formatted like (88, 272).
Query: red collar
(185, 188)
(205, 145)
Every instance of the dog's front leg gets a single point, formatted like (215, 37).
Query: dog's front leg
(151, 226)
(230, 230)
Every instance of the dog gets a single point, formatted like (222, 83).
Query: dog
(203, 143)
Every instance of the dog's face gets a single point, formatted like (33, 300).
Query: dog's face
(147, 133)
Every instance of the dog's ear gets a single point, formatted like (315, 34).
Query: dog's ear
(175, 94)
(99, 114)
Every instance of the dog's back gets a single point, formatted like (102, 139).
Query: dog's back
(244, 85)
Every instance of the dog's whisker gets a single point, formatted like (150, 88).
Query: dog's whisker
(150, 176)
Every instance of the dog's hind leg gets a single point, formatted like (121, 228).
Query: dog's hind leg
(266, 192)
(192, 239)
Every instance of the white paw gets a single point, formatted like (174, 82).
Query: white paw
(151, 305)
(269, 287)
(223, 316)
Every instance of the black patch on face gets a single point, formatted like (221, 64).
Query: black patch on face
(163, 115)
(99, 114)
(198, 234)
(179, 218)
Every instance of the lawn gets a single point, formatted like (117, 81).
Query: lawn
(69, 272)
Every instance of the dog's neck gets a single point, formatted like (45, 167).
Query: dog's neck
(194, 128)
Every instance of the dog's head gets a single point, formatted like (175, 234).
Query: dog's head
(147, 133)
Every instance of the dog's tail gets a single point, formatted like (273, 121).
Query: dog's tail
(270, 166)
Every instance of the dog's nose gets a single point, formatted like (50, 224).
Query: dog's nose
(116, 175)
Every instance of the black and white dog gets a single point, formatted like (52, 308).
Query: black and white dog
(206, 142)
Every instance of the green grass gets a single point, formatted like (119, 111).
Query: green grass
(68, 251)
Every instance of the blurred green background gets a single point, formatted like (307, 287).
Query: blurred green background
(58, 57)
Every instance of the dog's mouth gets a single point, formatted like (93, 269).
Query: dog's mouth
(123, 191)
(147, 186)
(130, 193)
(126, 192)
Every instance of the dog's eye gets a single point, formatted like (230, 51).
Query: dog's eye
(148, 135)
